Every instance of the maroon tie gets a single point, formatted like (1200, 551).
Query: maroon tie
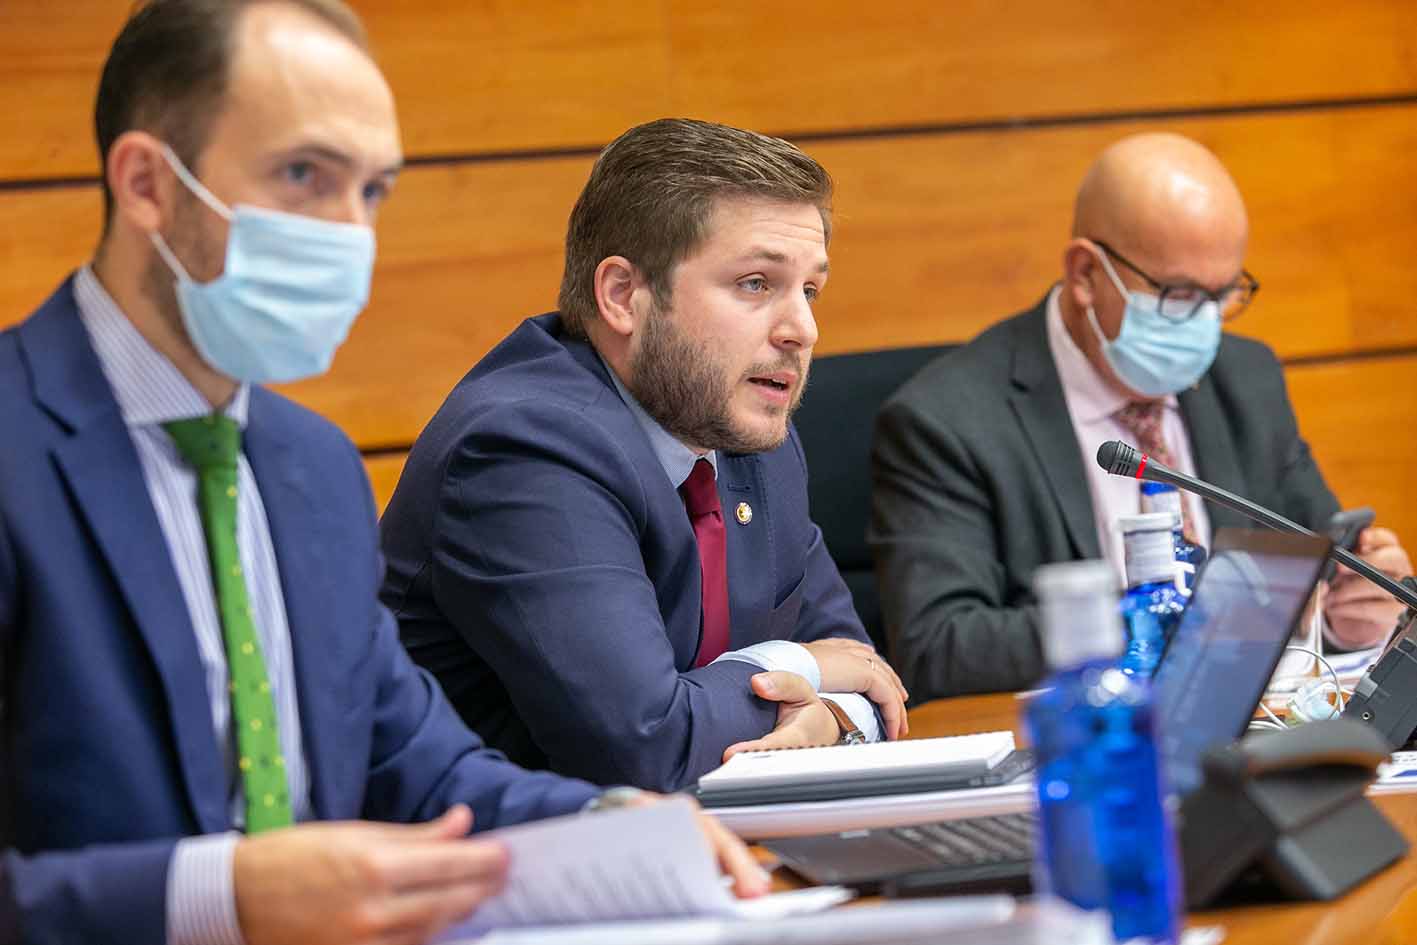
(700, 494)
(1142, 419)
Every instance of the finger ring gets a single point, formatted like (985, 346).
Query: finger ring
(871, 665)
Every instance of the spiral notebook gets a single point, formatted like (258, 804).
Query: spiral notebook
(843, 771)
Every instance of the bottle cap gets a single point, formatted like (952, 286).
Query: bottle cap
(1080, 618)
(1146, 522)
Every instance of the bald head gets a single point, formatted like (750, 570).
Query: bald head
(1167, 214)
(1168, 204)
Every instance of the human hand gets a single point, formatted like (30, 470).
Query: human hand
(803, 721)
(749, 879)
(359, 882)
(1359, 613)
(852, 666)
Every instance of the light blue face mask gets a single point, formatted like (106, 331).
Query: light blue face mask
(1153, 354)
(291, 287)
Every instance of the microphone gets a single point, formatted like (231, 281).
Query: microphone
(1119, 459)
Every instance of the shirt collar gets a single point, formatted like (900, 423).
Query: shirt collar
(1089, 395)
(148, 387)
(676, 458)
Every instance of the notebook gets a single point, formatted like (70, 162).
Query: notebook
(842, 771)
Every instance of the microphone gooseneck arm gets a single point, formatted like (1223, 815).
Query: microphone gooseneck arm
(1119, 459)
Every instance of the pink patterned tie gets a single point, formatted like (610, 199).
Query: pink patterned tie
(1142, 419)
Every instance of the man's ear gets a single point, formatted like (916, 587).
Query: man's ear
(141, 189)
(617, 282)
(1079, 267)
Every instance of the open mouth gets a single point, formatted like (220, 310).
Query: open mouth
(769, 383)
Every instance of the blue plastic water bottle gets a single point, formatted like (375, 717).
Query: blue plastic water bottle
(1163, 497)
(1152, 605)
(1105, 838)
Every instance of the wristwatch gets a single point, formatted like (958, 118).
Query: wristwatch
(850, 734)
(614, 799)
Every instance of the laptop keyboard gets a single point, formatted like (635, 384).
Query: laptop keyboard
(1004, 838)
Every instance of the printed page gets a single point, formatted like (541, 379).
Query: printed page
(648, 862)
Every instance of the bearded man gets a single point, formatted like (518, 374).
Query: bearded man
(601, 544)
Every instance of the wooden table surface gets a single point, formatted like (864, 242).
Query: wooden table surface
(1381, 911)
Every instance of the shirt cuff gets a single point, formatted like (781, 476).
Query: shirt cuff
(861, 710)
(201, 892)
(774, 655)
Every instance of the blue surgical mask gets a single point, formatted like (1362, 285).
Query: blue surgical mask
(287, 296)
(1153, 354)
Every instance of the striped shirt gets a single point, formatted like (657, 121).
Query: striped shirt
(151, 391)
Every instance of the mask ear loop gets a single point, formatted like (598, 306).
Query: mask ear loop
(202, 193)
(1102, 339)
(1112, 274)
(168, 256)
(195, 186)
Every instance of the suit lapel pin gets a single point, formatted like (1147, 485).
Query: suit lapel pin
(744, 513)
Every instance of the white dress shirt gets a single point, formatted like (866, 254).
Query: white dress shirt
(678, 462)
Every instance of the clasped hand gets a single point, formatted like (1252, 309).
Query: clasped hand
(803, 720)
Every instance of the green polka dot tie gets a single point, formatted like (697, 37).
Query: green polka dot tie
(211, 444)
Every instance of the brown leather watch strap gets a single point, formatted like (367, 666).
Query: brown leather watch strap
(850, 734)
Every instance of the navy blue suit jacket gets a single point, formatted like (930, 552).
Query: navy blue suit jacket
(107, 752)
(542, 565)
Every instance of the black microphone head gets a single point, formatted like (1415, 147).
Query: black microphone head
(1118, 458)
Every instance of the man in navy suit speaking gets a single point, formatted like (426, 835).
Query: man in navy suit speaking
(601, 544)
(193, 658)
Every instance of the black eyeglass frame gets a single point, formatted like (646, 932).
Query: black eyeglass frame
(1247, 285)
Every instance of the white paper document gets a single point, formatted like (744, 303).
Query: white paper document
(961, 920)
(638, 863)
(1397, 776)
(1297, 668)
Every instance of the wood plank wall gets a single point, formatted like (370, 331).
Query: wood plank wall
(956, 132)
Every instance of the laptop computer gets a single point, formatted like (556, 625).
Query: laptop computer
(1247, 601)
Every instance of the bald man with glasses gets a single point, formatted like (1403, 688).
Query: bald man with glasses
(983, 463)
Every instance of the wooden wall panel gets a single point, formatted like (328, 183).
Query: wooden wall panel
(847, 64)
(1355, 414)
(1359, 417)
(498, 75)
(937, 236)
(384, 470)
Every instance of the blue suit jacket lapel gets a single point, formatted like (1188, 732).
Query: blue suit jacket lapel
(752, 577)
(301, 535)
(100, 465)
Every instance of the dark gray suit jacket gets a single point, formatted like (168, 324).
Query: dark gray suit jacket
(977, 480)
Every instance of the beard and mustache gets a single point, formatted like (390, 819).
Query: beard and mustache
(683, 385)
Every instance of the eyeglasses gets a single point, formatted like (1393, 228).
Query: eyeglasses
(1186, 299)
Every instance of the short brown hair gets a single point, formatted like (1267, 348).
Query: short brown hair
(651, 193)
(168, 69)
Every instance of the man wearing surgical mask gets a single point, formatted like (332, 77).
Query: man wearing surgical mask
(983, 463)
(194, 664)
